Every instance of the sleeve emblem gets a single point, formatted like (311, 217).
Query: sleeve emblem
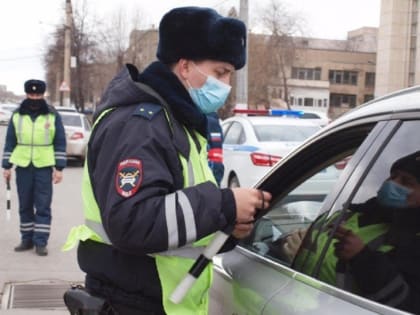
(129, 177)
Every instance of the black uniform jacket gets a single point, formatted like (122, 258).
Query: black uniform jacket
(392, 278)
(133, 165)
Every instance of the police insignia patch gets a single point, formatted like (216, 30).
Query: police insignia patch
(129, 177)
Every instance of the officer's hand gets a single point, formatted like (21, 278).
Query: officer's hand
(57, 176)
(7, 174)
(348, 245)
(248, 200)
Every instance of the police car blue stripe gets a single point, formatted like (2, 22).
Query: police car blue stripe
(239, 147)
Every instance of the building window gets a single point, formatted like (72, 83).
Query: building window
(309, 101)
(306, 73)
(368, 97)
(300, 101)
(343, 100)
(370, 79)
(343, 77)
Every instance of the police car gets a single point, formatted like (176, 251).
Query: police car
(258, 277)
(255, 140)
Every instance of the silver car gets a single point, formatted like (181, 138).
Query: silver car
(78, 128)
(259, 276)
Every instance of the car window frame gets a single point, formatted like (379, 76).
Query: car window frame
(376, 130)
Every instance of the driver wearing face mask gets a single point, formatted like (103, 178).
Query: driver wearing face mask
(382, 262)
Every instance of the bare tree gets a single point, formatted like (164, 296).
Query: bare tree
(85, 52)
(281, 25)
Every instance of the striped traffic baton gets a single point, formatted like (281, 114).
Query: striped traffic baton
(8, 199)
(200, 264)
(205, 258)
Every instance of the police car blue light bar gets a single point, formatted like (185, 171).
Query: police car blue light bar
(270, 112)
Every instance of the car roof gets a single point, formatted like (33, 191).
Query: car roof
(66, 109)
(269, 120)
(70, 113)
(407, 100)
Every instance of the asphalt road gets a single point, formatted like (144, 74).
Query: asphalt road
(27, 267)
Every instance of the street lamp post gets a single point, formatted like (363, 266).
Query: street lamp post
(65, 86)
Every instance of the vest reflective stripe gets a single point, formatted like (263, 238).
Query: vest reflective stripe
(34, 140)
(171, 221)
(190, 174)
(188, 212)
(185, 252)
(98, 228)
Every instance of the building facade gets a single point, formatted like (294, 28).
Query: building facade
(398, 55)
(319, 74)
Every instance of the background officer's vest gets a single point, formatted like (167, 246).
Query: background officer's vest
(174, 264)
(34, 140)
(313, 245)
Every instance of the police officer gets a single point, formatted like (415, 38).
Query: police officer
(36, 145)
(151, 202)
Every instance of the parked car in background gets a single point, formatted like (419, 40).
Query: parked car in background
(259, 277)
(78, 129)
(6, 111)
(253, 144)
(317, 117)
(71, 109)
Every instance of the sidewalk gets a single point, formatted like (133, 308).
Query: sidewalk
(18, 270)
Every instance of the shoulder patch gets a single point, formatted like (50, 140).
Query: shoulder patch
(147, 110)
(129, 177)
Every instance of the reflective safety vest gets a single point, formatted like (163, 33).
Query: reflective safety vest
(173, 264)
(332, 271)
(34, 140)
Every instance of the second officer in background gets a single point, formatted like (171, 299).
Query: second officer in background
(36, 145)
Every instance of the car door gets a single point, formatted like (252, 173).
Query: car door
(258, 278)
(233, 159)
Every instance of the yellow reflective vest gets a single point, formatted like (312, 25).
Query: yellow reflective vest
(34, 140)
(174, 264)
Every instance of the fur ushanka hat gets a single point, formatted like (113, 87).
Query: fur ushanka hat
(201, 33)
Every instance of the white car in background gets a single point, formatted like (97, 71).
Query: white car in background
(6, 111)
(78, 128)
(253, 144)
(317, 117)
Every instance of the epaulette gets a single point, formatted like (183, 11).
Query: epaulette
(147, 110)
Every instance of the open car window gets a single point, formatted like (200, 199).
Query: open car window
(382, 267)
(301, 193)
(292, 215)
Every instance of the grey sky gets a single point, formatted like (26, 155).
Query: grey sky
(26, 25)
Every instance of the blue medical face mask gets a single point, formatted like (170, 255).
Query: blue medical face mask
(392, 194)
(211, 96)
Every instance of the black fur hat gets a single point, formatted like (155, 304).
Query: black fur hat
(410, 164)
(35, 87)
(201, 33)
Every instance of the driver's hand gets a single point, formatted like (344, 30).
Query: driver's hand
(292, 243)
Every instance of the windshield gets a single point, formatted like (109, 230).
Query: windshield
(71, 120)
(286, 133)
